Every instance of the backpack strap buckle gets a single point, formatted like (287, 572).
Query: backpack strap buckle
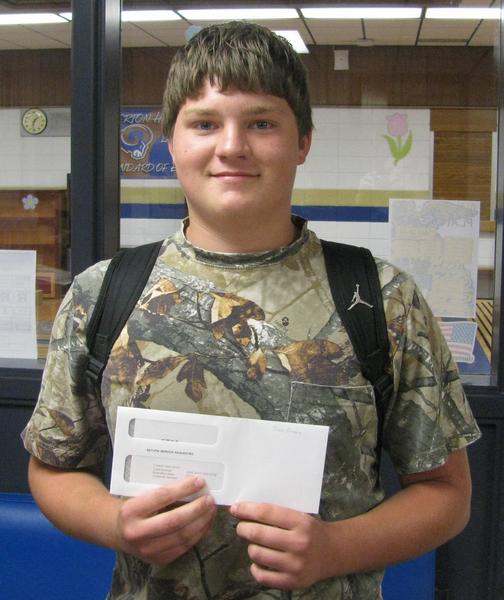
(94, 370)
(384, 386)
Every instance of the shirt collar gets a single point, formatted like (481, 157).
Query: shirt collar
(241, 260)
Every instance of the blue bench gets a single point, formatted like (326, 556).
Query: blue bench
(38, 562)
(412, 580)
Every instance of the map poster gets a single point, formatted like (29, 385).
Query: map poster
(436, 241)
(143, 147)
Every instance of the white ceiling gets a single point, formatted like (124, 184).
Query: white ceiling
(419, 32)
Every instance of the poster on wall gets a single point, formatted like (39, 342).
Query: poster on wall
(436, 241)
(18, 337)
(143, 147)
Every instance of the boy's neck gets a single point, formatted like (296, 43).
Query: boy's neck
(231, 238)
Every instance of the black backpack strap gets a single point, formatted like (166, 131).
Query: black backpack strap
(355, 287)
(124, 281)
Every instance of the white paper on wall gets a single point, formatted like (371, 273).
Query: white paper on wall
(18, 325)
(436, 241)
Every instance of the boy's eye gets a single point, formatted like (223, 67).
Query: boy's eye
(204, 125)
(262, 125)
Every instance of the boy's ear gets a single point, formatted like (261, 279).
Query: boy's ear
(304, 147)
(170, 145)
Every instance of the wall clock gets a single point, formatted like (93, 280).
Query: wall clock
(34, 121)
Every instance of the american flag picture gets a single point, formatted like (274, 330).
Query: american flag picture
(460, 336)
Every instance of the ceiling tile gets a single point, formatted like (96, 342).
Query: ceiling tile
(135, 36)
(29, 39)
(486, 35)
(270, 23)
(169, 33)
(441, 42)
(482, 3)
(446, 31)
(61, 32)
(392, 33)
(335, 32)
(9, 45)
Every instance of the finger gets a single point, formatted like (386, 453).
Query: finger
(272, 559)
(159, 548)
(197, 535)
(171, 521)
(180, 523)
(158, 499)
(272, 579)
(264, 535)
(269, 514)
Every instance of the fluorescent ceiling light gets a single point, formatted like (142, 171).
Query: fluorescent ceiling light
(141, 15)
(30, 19)
(66, 15)
(474, 13)
(149, 15)
(229, 14)
(362, 12)
(294, 37)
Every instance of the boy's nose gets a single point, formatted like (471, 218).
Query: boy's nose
(232, 141)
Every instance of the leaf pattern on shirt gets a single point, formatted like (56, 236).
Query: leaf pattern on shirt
(161, 298)
(193, 373)
(230, 316)
(159, 369)
(312, 361)
(62, 421)
(256, 365)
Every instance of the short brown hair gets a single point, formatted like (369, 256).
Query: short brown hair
(238, 55)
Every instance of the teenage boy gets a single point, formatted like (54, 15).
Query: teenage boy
(237, 319)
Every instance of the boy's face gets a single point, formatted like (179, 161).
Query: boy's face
(236, 155)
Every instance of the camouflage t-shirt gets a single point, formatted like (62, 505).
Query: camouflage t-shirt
(255, 336)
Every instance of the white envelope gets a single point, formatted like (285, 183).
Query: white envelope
(240, 459)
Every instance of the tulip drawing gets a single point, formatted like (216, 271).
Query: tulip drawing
(397, 127)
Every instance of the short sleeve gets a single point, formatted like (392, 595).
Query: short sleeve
(68, 428)
(429, 416)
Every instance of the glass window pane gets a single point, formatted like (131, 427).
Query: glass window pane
(35, 159)
(404, 109)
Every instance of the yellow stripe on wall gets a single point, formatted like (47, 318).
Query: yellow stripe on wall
(151, 195)
(352, 197)
(303, 197)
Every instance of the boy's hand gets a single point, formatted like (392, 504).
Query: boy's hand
(287, 547)
(155, 528)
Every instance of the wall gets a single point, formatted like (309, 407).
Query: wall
(34, 77)
(31, 162)
(381, 76)
(349, 176)
(430, 76)
(349, 167)
(378, 76)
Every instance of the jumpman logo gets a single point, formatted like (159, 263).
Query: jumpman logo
(356, 299)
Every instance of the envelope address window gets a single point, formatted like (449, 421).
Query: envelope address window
(160, 470)
(189, 433)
